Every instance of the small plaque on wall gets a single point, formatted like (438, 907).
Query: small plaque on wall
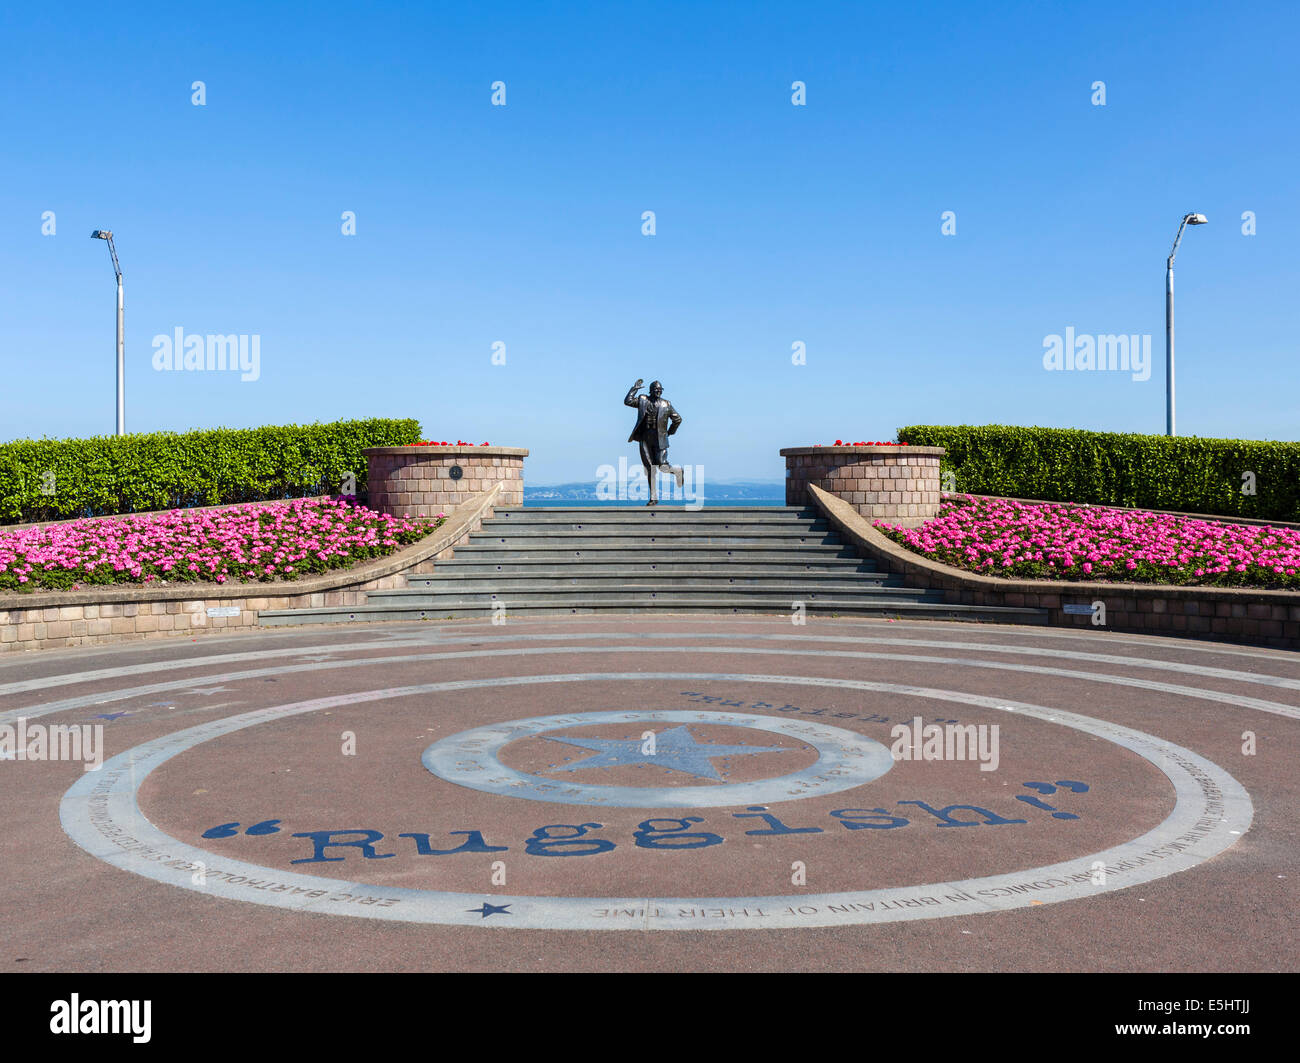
(455, 472)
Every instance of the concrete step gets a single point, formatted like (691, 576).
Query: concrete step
(580, 605)
(726, 565)
(788, 592)
(662, 511)
(526, 526)
(654, 515)
(623, 578)
(665, 538)
(642, 553)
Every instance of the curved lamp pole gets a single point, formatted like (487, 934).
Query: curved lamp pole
(1188, 219)
(104, 234)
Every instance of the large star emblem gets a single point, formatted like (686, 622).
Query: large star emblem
(675, 749)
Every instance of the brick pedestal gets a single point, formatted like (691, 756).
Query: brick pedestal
(419, 482)
(898, 484)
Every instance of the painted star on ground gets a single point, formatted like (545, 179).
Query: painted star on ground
(675, 749)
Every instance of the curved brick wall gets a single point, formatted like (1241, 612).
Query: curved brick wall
(416, 481)
(38, 620)
(897, 483)
(1233, 614)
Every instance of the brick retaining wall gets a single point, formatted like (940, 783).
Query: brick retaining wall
(63, 619)
(1258, 617)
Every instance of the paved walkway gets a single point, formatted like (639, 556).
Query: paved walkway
(685, 793)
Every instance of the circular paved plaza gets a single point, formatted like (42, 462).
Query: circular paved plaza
(675, 793)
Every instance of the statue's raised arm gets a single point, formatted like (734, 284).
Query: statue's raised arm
(631, 399)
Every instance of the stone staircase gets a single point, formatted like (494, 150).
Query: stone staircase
(722, 559)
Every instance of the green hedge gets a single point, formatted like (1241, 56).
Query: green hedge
(176, 470)
(1186, 473)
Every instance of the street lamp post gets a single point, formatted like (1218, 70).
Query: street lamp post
(1188, 219)
(104, 234)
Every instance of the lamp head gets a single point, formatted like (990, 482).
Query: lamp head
(101, 234)
(1196, 219)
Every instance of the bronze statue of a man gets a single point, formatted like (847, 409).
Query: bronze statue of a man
(656, 420)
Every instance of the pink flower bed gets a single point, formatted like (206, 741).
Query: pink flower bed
(255, 543)
(997, 537)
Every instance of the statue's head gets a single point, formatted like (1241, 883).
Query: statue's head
(656, 389)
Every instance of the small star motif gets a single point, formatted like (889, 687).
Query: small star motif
(490, 909)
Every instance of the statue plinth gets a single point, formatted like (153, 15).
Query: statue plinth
(895, 483)
(425, 481)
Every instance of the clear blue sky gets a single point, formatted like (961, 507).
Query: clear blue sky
(775, 223)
